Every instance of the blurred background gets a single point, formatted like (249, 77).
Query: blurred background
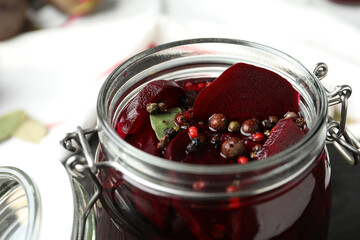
(62, 51)
(55, 55)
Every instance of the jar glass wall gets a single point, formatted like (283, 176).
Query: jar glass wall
(286, 196)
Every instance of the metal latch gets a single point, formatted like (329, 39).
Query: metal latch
(337, 133)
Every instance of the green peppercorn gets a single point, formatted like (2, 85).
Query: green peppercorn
(234, 126)
(291, 115)
(152, 108)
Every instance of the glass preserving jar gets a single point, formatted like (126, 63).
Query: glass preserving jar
(141, 196)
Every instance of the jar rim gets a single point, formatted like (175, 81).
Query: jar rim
(278, 159)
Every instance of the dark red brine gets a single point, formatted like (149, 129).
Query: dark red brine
(246, 115)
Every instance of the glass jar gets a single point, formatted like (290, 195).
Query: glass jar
(286, 196)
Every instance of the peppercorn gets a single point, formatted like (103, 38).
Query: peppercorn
(193, 132)
(200, 86)
(164, 140)
(267, 124)
(199, 185)
(161, 145)
(218, 122)
(152, 108)
(201, 139)
(193, 146)
(162, 107)
(300, 122)
(216, 140)
(190, 86)
(250, 126)
(258, 136)
(232, 188)
(267, 133)
(257, 148)
(242, 160)
(180, 119)
(291, 115)
(170, 131)
(253, 155)
(234, 126)
(233, 147)
(273, 119)
(189, 98)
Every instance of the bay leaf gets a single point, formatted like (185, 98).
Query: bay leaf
(161, 121)
(10, 122)
(31, 130)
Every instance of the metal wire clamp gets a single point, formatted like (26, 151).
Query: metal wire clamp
(337, 133)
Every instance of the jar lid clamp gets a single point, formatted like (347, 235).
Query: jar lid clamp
(337, 133)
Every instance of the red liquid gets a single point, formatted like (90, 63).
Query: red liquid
(294, 211)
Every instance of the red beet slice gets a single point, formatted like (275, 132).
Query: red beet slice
(245, 91)
(175, 150)
(284, 134)
(144, 138)
(135, 112)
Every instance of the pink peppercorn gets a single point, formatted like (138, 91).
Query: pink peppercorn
(190, 86)
(231, 188)
(199, 185)
(193, 132)
(258, 136)
(242, 160)
(200, 86)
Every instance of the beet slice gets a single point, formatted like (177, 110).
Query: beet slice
(135, 111)
(144, 138)
(245, 91)
(284, 134)
(175, 150)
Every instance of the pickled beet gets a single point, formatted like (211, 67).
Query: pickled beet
(245, 91)
(134, 114)
(283, 135)
(145, 139)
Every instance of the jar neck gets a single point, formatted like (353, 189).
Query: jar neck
(208, 58)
